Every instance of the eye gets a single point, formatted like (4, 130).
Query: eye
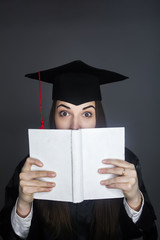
(64, 114)
(87, 114)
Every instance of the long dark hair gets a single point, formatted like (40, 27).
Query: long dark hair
(105, 213)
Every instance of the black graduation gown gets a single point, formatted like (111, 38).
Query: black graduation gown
(80, 215)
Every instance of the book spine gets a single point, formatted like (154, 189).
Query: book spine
(77, 167)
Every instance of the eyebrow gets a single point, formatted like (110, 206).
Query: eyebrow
(62, 105)
(90, 106)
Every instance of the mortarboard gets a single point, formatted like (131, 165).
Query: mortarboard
(76, 82)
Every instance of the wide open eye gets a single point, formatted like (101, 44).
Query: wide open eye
(87, 114)
(64, 114)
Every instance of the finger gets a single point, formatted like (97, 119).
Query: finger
(32, 190)
(36, 174)
(126, 187)
(119, 163)
(114, 180)
(117, 171)
(114, 170)
(29, 162)
(37, 183)
(125, 183)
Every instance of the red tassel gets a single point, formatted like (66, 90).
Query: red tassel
(42, 125)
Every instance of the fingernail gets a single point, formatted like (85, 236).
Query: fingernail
(52, 184)
(102, 182)
(100, 170)
(104, 160)
(52, 174)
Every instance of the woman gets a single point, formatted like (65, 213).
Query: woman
(77, 104)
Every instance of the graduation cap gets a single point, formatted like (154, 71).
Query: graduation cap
(76, 82)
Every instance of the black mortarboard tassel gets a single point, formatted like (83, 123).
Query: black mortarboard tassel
(77, 82)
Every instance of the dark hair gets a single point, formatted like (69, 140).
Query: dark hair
(105, 215)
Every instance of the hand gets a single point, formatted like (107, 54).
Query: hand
(125, 179)
(29, 184)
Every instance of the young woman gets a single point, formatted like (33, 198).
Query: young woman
(77, 104)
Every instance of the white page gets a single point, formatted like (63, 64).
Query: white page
(52, 147)
(103, 143)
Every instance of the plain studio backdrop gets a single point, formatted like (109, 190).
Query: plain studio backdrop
(122, 36)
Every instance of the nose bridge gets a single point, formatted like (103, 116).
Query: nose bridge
(75, 122)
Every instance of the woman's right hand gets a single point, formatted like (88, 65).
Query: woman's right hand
(30, 184)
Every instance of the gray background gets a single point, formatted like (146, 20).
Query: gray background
(118, 35)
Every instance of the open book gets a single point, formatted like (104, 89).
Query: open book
(76, 156)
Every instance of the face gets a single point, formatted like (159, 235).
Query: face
(70, 116)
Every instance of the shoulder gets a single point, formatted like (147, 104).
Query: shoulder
(132, 158)
(18, 168)
(13, 184)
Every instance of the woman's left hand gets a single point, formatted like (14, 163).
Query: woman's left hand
(125, 179)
